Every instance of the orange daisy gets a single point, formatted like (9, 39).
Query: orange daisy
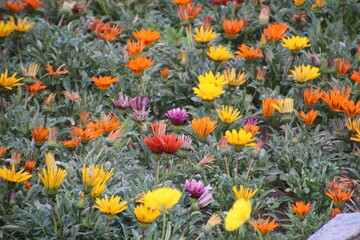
(203, 126)
(276, 31)
(72, 96)
(267, 107)
(35, 88)
(110, 32)
(134, 48)
(29, 166)
(336, 97)
(181, 2)
(14, 6)
(139, 64)
(2, 151)
(253, 129)
(188, 12)
(109, 123)
(40, 134)
(300, 208)
(355, 76)
(90, 132)
(147, 36)
(33, 4)
(58, 70)
(309, 117)
(310, 97)
(232, 27)
(165, 72)
(264, 226)
(72, 143)
(103, 82)
(342, 66)
(335, 212)
(84, 116)
(339, 196)
(248, 54)
(350, 109)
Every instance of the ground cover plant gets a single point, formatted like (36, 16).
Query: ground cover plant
(178, 119)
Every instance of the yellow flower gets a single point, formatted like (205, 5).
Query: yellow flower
(50, 160)
(6, 29)
(204, 35)
(110, 206)
(299, 3)
(12, 176)
(93, 175)
(227, 115)
(305, 73)
(31, 71)
(146, 215)
(21, 25)
(357, 134)
(98, 189)
(234, 80)
(296, 43)
(9, 82)
(208, 91)
(162, 198)
(240, 138)
(244, 193)
(218, 79)
(318, 4)
(284, 105)
(52, 178)
(238, 214)
(219, 54)
(353, 123)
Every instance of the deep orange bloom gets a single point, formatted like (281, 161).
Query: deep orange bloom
(90, 132)
(134, 48)
(159, 129)
(14, 6)
(339, 196)
(181, 2)
(84, 116)
(188, 12)
(139, 64)
(147, 36)
(342, 66)
(33, 4)
(355, 76)
(203, 126)
(35, 88)
(336, 97)
(109, 123)
(309, 117)
(350, 109)
(248, 53)
(2, 151)
(310, 97)
(110, 32)
(103, 82)
(276, 31)
(40, 134)
(300, 208)
(171, 143)
(58, 70)
(73, 142)
(232, 27)
(250, 128)
(72, 96)
(335, 211)
(30, 165)
(267, 107)
(154, 144)
(165, 72)
(264, 226)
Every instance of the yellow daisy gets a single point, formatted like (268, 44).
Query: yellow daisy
(13, 176)
(110, 206)
(204, 35)
(219, 54)
(304, 73)
(296, 43)
(228, 114)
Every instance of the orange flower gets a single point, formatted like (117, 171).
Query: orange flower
(29, 166)
(90, 132)
(58, 70)
(110, 32)
(248, 53)
(355, 76)
(27, 184)
(181, 2)
(33, 4)
(310, 97)
(276, 31)
(267, 107)
(139, 64)
(40, 134)
(73, 142)
(159, 129)
(14, 6)
(203, 126)
(165, 72)
(350, 109)
(134, 48)
(342, 66)
(264, 226)
(300, 208)
(335, 212)
(84, 118)
(35, 88)
(309, 117)
(103, 82)
(336, 97)
(72, 96)
(109, 123)
(2, 151)
(147, 36)
(188, 12)
(339, 196)
(114, 135)
(253, 129)
(232, 27)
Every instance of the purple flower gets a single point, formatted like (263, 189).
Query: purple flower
(139, 103)
(205, 199)
(330, 63)
(122, 102)
(177, 116)
(195, 188)
(315, 61)
(250, 121)
(140, 116)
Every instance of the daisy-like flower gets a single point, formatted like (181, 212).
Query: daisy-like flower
(219, 54)
(203, 126)
(238, 214)
(195, 188)
(264, 226)
(52, 178)
(139, 64)
(146, 36)
(209, 77)
(267, 107)
(208, 91)
(15, 6)
(177, 116)
(159, 129)
(300, 208)
(298, 3)
(33, 4)
(203, 35)
(146, 215)
(134, 49)
(284, 106)
(240, 138)
(103, 82)
(250, 53)
(162, 199)
(234, 80)
(276, 31)
(29, 166)
(228, 114)
(188, 12)
(310, 97)
(352, 124)
(355, 76)
(154, 144)
(40, 134)
(296, 44)
(110, 32)
(205, 199)
(357, 133)
(72, 143)
(304, 73)
(111, 206)
(31, 71)
(109, 123)
(253, 129)
(123, 102)
(9, 82)
(165, 72)
(139, 102)
(171, 143)
(90, 132)
(336, 97)
(309, 117)
(140, 115)
(350, 108)
(93, 175)
(335, 211)
(232, 27)
(244, 193)
(339, 196)
(97, 190)
(13, 176)
(6, 29)
(21, 25)
(342, 66)
(35, 88)
(58, 71)
(181, 2)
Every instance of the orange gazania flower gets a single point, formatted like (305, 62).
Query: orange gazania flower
(103, 82)
(2, 151)
(84, 116)
(109, 123)
(188, 12)
(253, 129)
(114, 135)
(165, 72)
(14, 6)
(264, 226)
(342, 66)
(232, 27)
(350, 109)
(33, 4)
(355, 76)
(181, 2)
(159, 129)
(139, 64)
(72, 96)
(248, 53)
(339, 196)
(110, 32)
(40, 134)
(134, 48)
(203, 126)
(29, 166)
(276, 31)
(309, 117)
(73, 142)
(147, 36)
(90, 132)
(336, 97)
(58, 70)
(310, 97)
(267, 107)
(35, 88)
(335, 211)
(300, 208)
(171, 142)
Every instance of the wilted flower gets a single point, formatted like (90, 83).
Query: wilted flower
(234, 80)
(205, 199)
(140, 115)
(206, 21)
(138, 103)
(299, 18)
(177, 116)
(264, 14)
(212, 222)
(187, 142)
(123, 102)
(195, 188)
(58, 71)
(208, 158)
(159, 129)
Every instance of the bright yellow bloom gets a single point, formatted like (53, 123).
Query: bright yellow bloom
(146, 215)
(208, 91)
(304, 73)
(299, 3)
(318, 4)
(110, 206)
(227, 115)
(21, 25)
(13, 176)
(93, 175)
(244, 193)
(284, 105)
(234, 80)
(296, 43)
(219, 54)
(238, 214)
(353, 123)
(6, 29)
(357, 134)
(98, 189)
(31, 71)
(162, 198)
(52, 178)
(9, 82)
(204, 35)
(209, 77)
(240, 138)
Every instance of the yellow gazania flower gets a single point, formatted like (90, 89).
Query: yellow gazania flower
(353, 123)
(284, 105)
(238, 214)
(244, 193)
(209, 77)
(234, 80)
(98, 189)
(240, 138)
(93, 175)
(227, 115)
(110, 206)
(204, 35)
(162, 198)
(50, 160)
(208, 91)
(304, 73)
(146, 215)
(318, 4)
(9, 82)
(296, 43)
(31, 71)
(299, 3)
(21, 25)
(13, 176)
(52, 178)
(6, 29)
(357, 134)
(219, 54)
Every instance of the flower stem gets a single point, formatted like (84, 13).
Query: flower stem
(227, 166)
(108, 230)
(2, 107)
(202, 234)
(164, 226)
(53, 216)
(249, 169)
(259, 233)
(157, 173)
